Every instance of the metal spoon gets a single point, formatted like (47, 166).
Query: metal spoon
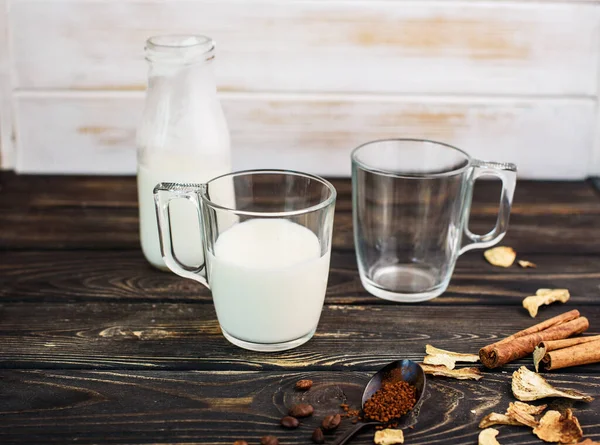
(411, 373)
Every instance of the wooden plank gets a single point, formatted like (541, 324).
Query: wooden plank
(94, 213)
(119, 192)
(91, 228)
(594, 169)
(187, 336)
(78, 136)
(595, 164)
(47, 192)
(219, 408)
(480, 47)
(96, 133)
(6, 112)
(125, 276)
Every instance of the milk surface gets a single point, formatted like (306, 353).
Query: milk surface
(185, 228)
(268, 280)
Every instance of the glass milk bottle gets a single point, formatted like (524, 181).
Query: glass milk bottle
(183, 137)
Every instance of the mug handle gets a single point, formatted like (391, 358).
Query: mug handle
(164, 193)
(508, 175)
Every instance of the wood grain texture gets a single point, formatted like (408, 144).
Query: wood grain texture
(101, 213)
(484, 48)
(45, 192)
(187, 336)
(97, 347)
(89, 228)
(118, 276)
(315, 133)
(218, 408)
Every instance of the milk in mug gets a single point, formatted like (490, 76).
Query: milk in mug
(268, 279)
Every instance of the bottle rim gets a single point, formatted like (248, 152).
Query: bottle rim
(180, 48)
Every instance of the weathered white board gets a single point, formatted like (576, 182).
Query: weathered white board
(306, 81)
(95, 133)
(416, 47)
(6, 112)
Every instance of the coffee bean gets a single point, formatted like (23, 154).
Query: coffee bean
(303, 385)
(317, 436)
(240, 442)
(269, 440)
(301, 410)
(290, 422)
(331, 422)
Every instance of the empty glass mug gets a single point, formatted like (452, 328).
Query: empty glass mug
(411, 204)
(267, 243)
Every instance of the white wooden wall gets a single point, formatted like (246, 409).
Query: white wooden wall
(304, 82)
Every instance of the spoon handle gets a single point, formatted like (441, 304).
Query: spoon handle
(352, 432)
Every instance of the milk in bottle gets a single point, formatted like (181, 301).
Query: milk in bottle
(183, 138)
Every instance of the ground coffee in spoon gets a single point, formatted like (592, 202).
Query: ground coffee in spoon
(394, 399)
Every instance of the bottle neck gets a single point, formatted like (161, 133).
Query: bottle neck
(181, 61)
(195, 78)
(182, 114)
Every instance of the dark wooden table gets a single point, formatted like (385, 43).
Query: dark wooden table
(98, 347)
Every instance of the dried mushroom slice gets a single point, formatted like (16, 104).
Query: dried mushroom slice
(526, 264)
(588, 442)
(521, 415)
(556, 428)
(460, 374)
(530, 409)
(545, 297)
(488, 437)
(528, 386)
(497, 419)
(518, 413)
(388, 437)
(436, 356)
(500, 256)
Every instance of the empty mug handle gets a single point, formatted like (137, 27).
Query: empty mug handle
(508, 175)
(164, 193)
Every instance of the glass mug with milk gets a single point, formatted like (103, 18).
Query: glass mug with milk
(183, 137)
(266, 251)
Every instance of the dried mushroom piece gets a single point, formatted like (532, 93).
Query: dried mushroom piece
(500, 256)
(528, 386)
(545, 297)
(460, 374)
(530, 409)
(436, 356)
(556, 428)
(526, 264)
(518, 413)
(521, 415)
(388, 437)
(588, 442)
(497, 419)
(488, 437)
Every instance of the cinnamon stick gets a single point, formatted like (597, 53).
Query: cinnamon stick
(554, 321)
(582, 353)
(524, 342)
(488, 353)
(546, 346)
(553, 345)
